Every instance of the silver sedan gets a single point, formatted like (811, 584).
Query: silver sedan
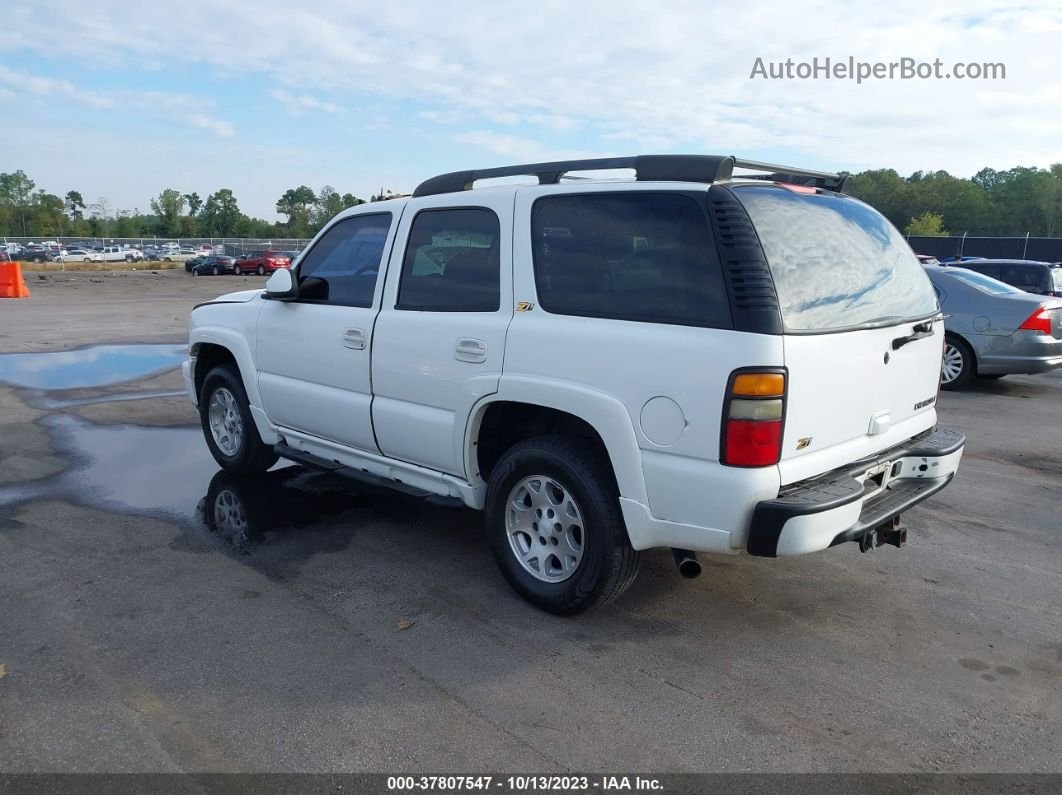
(993, 329)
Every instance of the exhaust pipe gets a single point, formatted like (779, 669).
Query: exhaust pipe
(688, 565)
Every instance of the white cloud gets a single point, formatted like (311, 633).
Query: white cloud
(299, 104)
(533, 80)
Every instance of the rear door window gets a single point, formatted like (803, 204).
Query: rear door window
(837, 263)
(452, 262)
(643, 256)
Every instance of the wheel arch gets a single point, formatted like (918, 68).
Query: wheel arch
(520, 411)
(211, 346)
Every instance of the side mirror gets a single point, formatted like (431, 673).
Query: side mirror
(281, 285)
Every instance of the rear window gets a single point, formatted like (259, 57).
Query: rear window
(836, 262)
(644, 256)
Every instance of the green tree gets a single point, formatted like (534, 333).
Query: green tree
(195, 204)
(926, 224)
(101, 213)
(75, 206)
(169, 207)
(296, 204)
(220, 214)
(16, 191)
(47, 216)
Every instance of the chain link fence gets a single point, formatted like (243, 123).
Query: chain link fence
(1045, 249)
(233, 246)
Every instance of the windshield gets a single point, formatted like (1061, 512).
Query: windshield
(837, 263)
(986, 284)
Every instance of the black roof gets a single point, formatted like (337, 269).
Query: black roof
(681, 168)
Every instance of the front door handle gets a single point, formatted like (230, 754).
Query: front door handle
(355, 338)
(470, 350)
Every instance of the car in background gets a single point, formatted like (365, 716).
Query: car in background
(214, 266)
(947, 260)
(1032, 276)
(262, 262)
(925, 259)
(993, 329)
(34, 252)
(75, 255)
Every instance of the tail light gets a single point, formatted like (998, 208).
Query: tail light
(753, 418)
(1038, 321)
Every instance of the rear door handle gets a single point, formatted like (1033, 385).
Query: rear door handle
(470, 350)
(355, 339)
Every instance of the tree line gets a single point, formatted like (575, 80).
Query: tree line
(1023, 200)
(26, 211)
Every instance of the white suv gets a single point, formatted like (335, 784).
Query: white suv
(685, 359)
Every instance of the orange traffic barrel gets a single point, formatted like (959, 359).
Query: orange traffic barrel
(12, 285)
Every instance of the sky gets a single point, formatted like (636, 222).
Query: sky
(122, 99)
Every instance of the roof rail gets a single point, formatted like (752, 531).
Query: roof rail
(665, 168)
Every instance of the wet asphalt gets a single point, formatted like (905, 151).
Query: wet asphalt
(158, 615)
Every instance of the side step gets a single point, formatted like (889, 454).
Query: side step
(324, 465)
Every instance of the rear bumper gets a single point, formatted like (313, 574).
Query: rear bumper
(844, 505)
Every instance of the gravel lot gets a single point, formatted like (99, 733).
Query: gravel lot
(351, 628)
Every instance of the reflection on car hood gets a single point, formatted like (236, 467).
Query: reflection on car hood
(241, 297)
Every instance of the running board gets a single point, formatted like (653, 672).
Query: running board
(324, 465)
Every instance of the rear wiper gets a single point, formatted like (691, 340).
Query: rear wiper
(919, 332)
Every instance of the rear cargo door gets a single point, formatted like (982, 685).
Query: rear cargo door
(862, 337)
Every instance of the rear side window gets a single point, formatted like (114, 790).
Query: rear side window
(343, 265)
(1027, 277)
(836, 262)
(1056, 277)
(452, 262)
(644, 256)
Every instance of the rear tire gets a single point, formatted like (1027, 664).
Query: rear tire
(216, 271)
(228, 427)
(555, 528)
(261, 270)
(959, 364)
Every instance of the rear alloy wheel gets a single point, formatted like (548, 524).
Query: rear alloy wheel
(261, 270)
(958, 365)
(215, 271)
(229, 430)
(555, 527)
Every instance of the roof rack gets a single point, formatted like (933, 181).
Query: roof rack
(665, 168)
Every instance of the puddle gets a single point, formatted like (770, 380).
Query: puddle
(96, 366)
(169, 473)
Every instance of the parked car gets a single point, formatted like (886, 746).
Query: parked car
(1043, 278)
(35, 253)
(993, 329)
(214, 266)
(191, 262)
(780, 348)
(925, 259)
(947, 260)
(262, 262)
(77, 255)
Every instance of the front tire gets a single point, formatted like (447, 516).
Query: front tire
(216, 271)
(228, 427)
(959, 364)
(555, 528)
(261, 270)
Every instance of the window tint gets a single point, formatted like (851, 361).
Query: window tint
(343, 265)
(643, 256)
(836, 262)
(452, 263)
(1027, 277)
(987, 269)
